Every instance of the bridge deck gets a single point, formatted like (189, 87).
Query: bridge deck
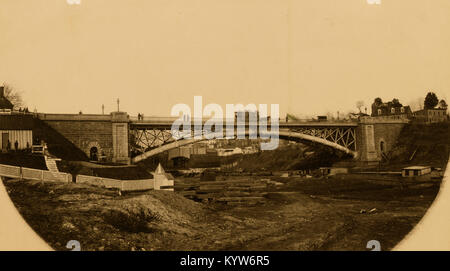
(158, 122)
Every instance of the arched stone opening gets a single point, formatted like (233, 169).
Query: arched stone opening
(382, 146)
(93, 154)
(94, 151)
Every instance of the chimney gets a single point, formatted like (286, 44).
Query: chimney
(2, 91)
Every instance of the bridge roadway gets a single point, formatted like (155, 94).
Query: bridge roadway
(168, 121)
(152, 122)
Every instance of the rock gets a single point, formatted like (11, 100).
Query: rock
(363, 211)
(230, 218)
(68, 225)
(51, 192)
(372, 210)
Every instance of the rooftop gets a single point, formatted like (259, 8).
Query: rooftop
(417, 167)
(16, 122)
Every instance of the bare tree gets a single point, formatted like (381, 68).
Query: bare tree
(330, 116)
(359, 104)
(14, 96)
(416, 104)
(443, 104)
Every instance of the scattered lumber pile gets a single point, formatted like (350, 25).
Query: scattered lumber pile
(230, 192)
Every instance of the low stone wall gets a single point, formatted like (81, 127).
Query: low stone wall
(57, 177)
(122, 185)
(34, 174)
(10, 171)
(137, 185)
(45, 175)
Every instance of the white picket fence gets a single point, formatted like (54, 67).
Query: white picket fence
(45, 175)
(33, 174)
(10, 171)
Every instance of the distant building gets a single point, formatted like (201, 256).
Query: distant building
(249, 150)
(16, 131)
(390, 109)
(199, 148)
(5, 104)
(431, 115)
(356, 116)
(229, 151)
(332, 171)
(415, 171)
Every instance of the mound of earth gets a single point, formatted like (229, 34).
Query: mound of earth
(23, 160)
(101, 219)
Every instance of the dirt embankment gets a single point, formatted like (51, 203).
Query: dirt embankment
(339, 213)
(292, 157)
(422, 144)
(20, 159)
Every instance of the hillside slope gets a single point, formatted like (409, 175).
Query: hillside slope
(422, 145)
(292, 157)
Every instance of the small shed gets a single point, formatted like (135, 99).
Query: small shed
(16, 130)
(333, 170)
(415, 171)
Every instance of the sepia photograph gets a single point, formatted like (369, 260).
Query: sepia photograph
(224, 125)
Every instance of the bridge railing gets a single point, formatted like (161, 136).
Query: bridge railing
(385, 119)
(72, 117)
(281, 121)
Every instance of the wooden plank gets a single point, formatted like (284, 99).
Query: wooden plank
(211, 187)
(207, 196)
(187, 193)
(240, 198)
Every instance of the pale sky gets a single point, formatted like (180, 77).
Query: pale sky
(309, 56)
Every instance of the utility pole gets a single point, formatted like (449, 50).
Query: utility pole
(118, 105)
(103, 109)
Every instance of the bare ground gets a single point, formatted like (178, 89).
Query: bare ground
(303, 214)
